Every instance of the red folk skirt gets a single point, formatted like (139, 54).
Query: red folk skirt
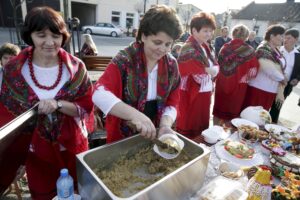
(194, 112)
(258, 97)
(42, 175)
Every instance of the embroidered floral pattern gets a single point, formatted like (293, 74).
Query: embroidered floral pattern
(17, 96)
(233, 54)
(133, 69)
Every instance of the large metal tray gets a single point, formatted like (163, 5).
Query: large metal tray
(15, 138)
(179, 184)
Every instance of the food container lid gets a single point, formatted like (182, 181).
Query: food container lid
(218, 189)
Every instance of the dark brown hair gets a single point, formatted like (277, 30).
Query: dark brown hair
(10, 49)
(273, 30)
(160, 19)
(203, 19)
(40, 18)
(293, 32)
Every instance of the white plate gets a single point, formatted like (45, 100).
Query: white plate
(239, 121)
(223, 154)
(277, 128)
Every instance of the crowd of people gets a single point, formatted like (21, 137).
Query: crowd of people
(144, 89)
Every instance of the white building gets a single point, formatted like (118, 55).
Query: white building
(258, 17)
(185, 13)
(122, 13)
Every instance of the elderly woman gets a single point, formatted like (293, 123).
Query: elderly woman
(139, 89)
(88, 48)
(270, 80)
(197, 67)
(46, 74)
(7, 52)
(238, 65)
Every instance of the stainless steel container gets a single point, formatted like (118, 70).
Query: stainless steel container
(179, 184)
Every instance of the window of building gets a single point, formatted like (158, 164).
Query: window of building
(115, 17)
(129, 20)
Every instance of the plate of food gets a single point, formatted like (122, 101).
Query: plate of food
(239, 122)
(274, 128)
(238, 152)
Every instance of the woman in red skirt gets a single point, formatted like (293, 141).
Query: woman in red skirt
(197, 67)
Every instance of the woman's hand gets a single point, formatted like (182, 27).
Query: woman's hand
(47, 106)
(143, 125)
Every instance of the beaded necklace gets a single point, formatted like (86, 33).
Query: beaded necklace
(35, 81)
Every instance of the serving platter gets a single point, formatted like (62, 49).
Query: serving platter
(239, 122)
(257, 158)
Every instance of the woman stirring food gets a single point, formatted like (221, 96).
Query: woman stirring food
(139, 89)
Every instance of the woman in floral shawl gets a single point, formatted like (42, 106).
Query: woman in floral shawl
(270, 81)
(139, 88)
(238, 65)
(46, 74)
(197, 67)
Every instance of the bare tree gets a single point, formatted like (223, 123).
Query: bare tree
(186, 14)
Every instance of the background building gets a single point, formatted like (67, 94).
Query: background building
(185, 12)
(259, 16)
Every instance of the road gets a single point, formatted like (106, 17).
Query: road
(108, 46)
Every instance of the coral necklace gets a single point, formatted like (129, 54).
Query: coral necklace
(35, 81)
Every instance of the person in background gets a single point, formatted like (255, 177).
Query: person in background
(251, 40)
(46, 75)
(7, 52)
(176, 49)
(88, 48)
(184, 36)
(139, 89)
(221, 40)
(292, 70)
(238, 65)
(270, 81)
(197, 67)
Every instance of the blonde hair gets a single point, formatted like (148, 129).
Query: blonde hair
(240, 31)
(89, 41)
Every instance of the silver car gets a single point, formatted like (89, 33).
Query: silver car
(103, 29)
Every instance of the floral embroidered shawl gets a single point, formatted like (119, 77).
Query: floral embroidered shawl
(192, 50)
(132, 66)
(233, 54)
(264, 50)
(17, 97)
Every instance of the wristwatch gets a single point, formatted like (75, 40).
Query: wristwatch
(59, 105)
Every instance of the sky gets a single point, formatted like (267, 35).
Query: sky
(219, 6)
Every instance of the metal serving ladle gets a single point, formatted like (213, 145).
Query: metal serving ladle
(167, 146)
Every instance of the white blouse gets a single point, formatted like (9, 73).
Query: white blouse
(105, 100)
(45, 76)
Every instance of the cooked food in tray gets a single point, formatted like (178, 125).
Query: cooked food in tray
(132, 173)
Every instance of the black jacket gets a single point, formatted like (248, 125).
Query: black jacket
(295, 75)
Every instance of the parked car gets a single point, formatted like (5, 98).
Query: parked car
(103, 29)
